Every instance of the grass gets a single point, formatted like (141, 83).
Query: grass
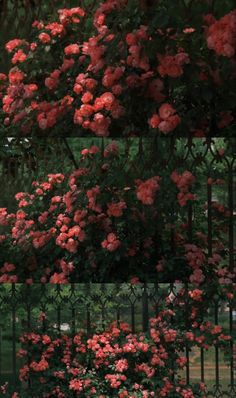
(209, 369)
(6, 359)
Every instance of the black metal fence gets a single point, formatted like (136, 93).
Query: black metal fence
(70, 308)
(16, 17)
(212, 158)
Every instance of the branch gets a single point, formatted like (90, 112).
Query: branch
(71, 156)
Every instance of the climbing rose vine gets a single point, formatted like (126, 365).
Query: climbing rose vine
(117, 362)
(110, 221)
(125, 70)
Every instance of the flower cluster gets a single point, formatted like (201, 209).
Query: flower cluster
(221, 35)
(91, 224)
(167, 119)
(183, 182)
(172, 66)
(68, 77)
(146, 191)
(116, 362)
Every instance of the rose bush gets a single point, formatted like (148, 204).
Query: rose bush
(130, 69)
(117, 362)
(110, 220)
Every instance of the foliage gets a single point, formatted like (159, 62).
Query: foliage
(100, 220)
(123, 69)
(118, 363)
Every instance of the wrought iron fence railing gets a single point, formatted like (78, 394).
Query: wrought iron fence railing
(207, 159)
(67, 309)
(16, 18)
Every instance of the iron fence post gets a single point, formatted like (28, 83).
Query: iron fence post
(145, 308)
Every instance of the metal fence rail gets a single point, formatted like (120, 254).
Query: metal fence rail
(16, 17)
(25, 161)
(21, 163)
(69, 308)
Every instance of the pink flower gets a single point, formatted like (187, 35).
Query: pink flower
(121, 365)
(7, 267)
(12, 44)
(44, 38)
(87, 97)
(107, 99)
(221, 35)
(16, 76)
(39, 366)
(183, 182)
(167, 119)
(216, 329)
(72, 15)
(170, 65)
(154, 121)
(165, 111)
(3, 77)
(19, 56)
(189, 30)
(111, 149)
(170, 335)
(51, 83)
(146, 190)
(196, 294)
(181, 361)
(116, 209)
(72, 49)
(135, 280)
(197, 276)
(111, 243)
(58, 278)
